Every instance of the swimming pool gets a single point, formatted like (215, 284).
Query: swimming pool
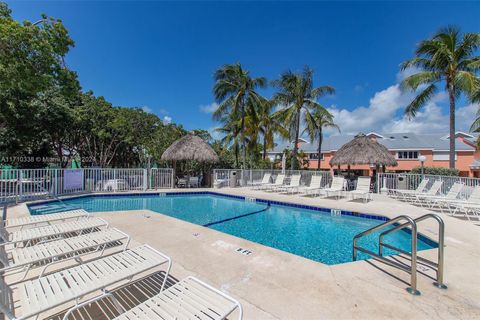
(322, 235)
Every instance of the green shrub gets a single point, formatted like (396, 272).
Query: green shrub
(436, 171)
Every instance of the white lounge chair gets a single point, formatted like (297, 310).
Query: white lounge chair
(188, 299)
(265, 181)
(362, 189)
(49, 253)
(70, 285)
(32, 221)
(336, 187)
(432, 192)
(408, 193)
(314, 188)
(468, 207)
(293, 185)
(439, 201)
(278, 182)
(30, 236)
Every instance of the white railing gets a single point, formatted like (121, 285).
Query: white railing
(408, 181)
(161, 178)
(249, 176)
(29, 184)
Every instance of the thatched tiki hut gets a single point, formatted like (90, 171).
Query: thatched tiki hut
(190, 148)
(363, 150)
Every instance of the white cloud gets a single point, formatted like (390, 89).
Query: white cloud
(465, 116)
(209, 108)
(385, 113)
(406, 73)
(382, 107)
(147, 109)
(429, 120)
(167, 120)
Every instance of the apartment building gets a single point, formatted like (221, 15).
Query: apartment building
(406, 147)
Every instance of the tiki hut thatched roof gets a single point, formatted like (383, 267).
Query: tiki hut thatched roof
(363, 150)
(190, 147)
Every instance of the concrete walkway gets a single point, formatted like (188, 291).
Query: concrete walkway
(272, 284)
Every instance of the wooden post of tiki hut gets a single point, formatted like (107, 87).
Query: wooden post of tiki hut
(189, 148)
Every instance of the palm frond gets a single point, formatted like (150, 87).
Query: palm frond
(468, 83)
(421, 78)
(416, 62)
(449, 36)
(224, 108)
(470, 43)
(311, 125)
(420, 100)
(476, 124)
(471, 65)
(322, 91)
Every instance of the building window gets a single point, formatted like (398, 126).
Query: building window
(442, 156)
(407, 155)
(314, 156)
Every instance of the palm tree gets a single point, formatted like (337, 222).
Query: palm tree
(231, 134)
(297, 95)
(234, 90)
(448, 57)
(315, 122)
(268, 125)
(476, 126)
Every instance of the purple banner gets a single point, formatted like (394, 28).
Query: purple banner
(73, 179)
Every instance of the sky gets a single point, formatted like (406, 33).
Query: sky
(161, 56)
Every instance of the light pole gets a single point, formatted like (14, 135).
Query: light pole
(422, 160)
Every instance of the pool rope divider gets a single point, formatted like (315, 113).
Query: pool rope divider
(238, 217)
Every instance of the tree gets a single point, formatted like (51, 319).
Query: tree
(315, 122)
(234, 90)
(56, 122)
(448, 58)
(268, 125)
(476, 126)
(297, 95)
(163, 136)
(231, 135)
(31, 68)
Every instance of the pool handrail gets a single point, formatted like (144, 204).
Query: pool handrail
(439, 265)
(413, 255)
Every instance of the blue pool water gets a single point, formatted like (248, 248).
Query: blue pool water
(315, 235)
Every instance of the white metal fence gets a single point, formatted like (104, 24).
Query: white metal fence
(29, 184)
(407, 181)
(249, 176)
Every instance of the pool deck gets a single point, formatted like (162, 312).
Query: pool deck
(272, 284)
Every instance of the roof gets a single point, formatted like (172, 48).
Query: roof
(393, 141)
(190, 147)
(475, 164)
(363, 150)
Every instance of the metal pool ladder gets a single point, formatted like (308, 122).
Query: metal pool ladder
(412, 223)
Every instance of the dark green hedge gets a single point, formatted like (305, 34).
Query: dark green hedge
(436, 171)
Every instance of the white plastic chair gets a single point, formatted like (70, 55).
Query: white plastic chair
(315, 186)
(292, 186)
(336, 187)
(362, 189)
